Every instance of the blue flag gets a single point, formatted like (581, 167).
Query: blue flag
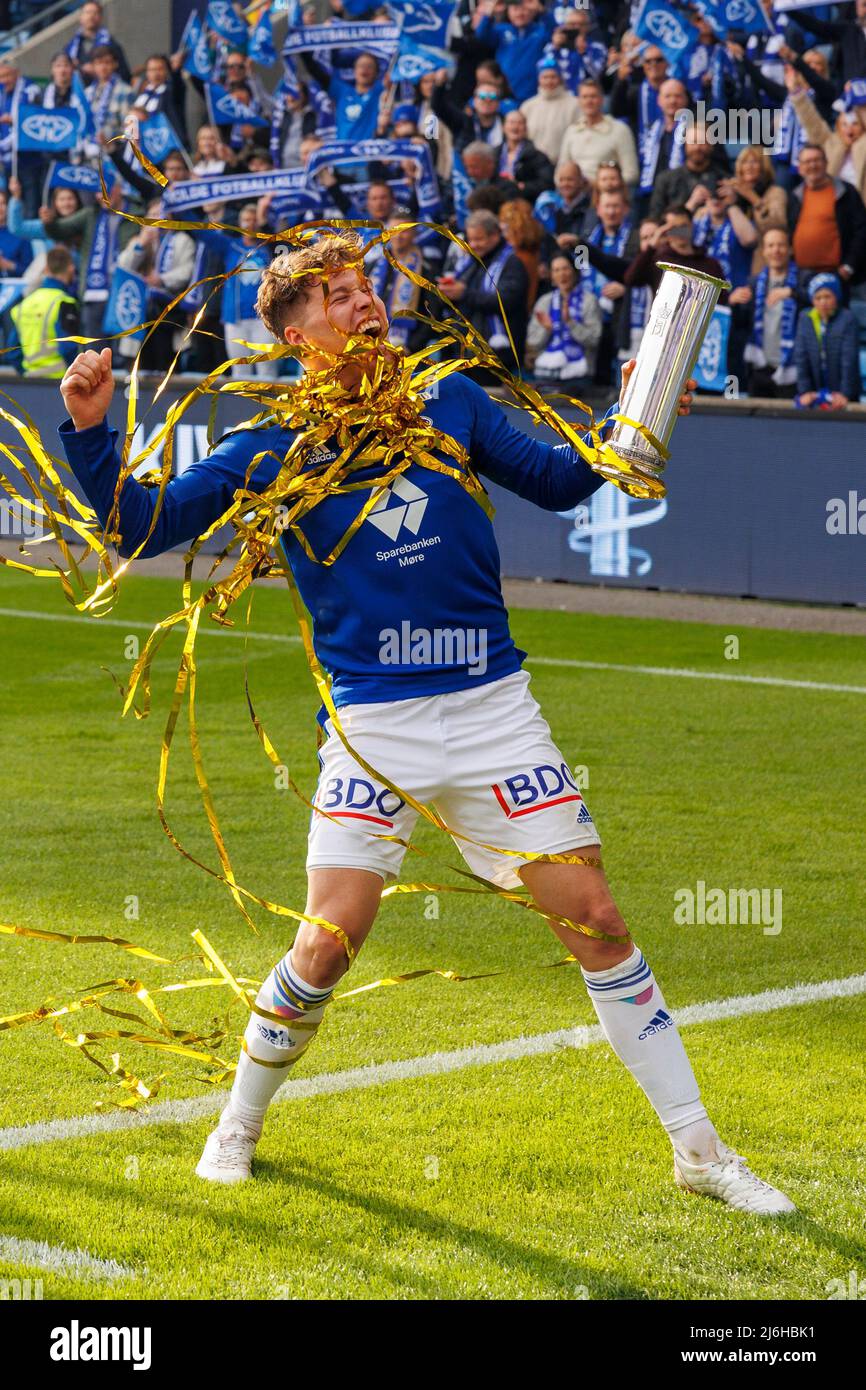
(10, 293)
(711, 368)
(78, 176)
(414, 60)
(262, 41)
(225, 109)
(425, 21)
(198, 58)
(158, 137)
(127, 303)
(78, 101)
(746, 16)
(658, 23)
(224, 19)
(45, 131)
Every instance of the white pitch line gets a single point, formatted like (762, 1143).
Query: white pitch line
(430, 1064)
(682, 672)
(685, 672)
(60, 1260)
(37, 616)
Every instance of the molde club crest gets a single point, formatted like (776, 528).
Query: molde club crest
(666, 28)
(50, 128)
(129, 306)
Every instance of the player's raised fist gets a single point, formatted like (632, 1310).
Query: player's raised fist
(87, 388)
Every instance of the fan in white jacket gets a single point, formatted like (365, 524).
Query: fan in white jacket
(551, 112)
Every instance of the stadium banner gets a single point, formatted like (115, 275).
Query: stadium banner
(748, 493)
(234, 188)
(783, 6)
(379, 39)
(336, 153)
(711, 367)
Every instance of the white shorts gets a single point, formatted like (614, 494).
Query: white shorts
(485, 760)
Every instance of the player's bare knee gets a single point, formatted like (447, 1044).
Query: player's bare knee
(604, 916)
(320, 956)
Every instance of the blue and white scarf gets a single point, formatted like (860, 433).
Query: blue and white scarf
(102, 100)
(49, 97)
(574, 67)
(651, 149)
(23, 91)
(790, 135)
(615, 244)
(785, 373)
(648, 110)
(563, 357)
(103, 256)
(716, 241)
(721, 67)
(194, 298)
(164, 258)
(101, 39)
(640, 300)
(397, 293)
(497, 335)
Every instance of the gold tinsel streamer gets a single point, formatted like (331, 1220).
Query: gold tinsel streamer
(380, 424)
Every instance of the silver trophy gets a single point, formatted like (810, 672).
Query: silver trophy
(681, 312)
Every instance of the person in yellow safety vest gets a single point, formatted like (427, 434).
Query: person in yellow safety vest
(49, 313)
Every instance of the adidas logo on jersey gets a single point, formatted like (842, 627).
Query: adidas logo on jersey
(322, 454)
(659, 1021)
(408, 513)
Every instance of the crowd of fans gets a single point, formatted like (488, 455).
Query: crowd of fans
(568, 152)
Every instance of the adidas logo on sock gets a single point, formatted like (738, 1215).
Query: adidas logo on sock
(659, 1021)
(276, 1037)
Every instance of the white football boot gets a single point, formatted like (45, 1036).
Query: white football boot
(729, 1179)
(228, 1152)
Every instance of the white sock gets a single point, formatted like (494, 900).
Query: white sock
(631, 1010)
(274, 1040)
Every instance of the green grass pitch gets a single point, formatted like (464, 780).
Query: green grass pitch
(540, 1178)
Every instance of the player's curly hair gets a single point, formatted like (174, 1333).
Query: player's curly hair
(288, 280)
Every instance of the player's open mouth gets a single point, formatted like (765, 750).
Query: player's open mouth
(372, 327)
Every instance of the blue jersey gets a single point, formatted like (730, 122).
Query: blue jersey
(518, 51)
(426, 555)
(356, 113)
